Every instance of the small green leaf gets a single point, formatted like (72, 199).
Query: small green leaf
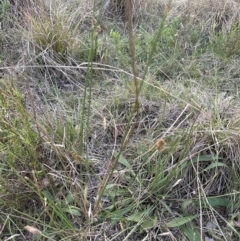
(48, 195)
(149, 223)
(192, 233)
(136, 217)
(122, 160)
(186, 203)
(72, 210)
(111, 185)
(69, 198)
(114, 190)
(140, 151)
(180, 221)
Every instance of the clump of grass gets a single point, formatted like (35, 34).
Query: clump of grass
(227, 40)
(194, 154)
(59, 33)
(33, 154)
(127, 156)
(51, 36)
(20, 154)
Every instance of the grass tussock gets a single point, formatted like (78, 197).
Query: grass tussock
(119, 120)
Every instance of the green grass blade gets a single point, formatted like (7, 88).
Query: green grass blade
(177, 222)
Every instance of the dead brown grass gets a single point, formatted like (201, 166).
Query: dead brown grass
(210, 16)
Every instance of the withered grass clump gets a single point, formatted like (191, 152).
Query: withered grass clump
(217, 15)
(54, 33)
(212, 22)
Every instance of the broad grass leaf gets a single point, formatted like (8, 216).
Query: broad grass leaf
(69, 198)
(192, 233)
(205, 158)
(113, 190)
(117, 215)
(48, 195)
(180, 221)
(73, 211)
(217, 201)
(138, 216)
(123, 160)
(214, 165)
(149, 223)
(235, 180)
